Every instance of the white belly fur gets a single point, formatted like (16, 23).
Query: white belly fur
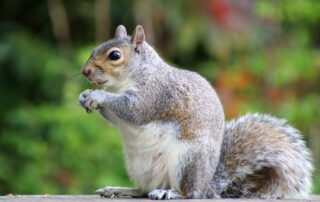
(152, 153)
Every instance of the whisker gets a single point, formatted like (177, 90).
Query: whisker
(72, 76)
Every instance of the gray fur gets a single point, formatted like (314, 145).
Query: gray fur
(161, 94)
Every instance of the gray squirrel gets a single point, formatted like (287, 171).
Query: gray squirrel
(176, 141)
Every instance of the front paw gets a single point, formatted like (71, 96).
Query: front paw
(91, 100)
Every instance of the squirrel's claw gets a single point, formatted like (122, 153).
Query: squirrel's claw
(90, 100)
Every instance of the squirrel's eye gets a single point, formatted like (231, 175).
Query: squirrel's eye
(114, 55)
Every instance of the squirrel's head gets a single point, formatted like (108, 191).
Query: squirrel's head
(108, 63)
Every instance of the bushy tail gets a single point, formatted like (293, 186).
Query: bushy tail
(263, 157)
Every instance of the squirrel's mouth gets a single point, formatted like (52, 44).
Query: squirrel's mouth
(100, 83)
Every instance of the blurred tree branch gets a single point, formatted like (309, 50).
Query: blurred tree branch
(102, 19)
(144, 17)
(60, 26)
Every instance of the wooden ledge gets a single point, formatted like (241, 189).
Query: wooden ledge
(95, 198)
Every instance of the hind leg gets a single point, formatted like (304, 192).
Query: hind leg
(198, 173)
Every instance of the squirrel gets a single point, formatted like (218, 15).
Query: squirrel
(176, 141)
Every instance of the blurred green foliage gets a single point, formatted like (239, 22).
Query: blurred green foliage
(261, 56)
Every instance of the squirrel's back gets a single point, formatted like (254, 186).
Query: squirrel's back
(177, 95)
(262, 156)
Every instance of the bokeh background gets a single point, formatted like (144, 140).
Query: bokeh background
(261, 56)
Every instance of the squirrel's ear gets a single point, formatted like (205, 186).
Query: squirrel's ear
(137, 37)
(121, 32)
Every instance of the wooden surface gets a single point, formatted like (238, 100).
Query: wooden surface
(95, 198)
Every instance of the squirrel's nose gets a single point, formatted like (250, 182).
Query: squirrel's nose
(86, 71)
